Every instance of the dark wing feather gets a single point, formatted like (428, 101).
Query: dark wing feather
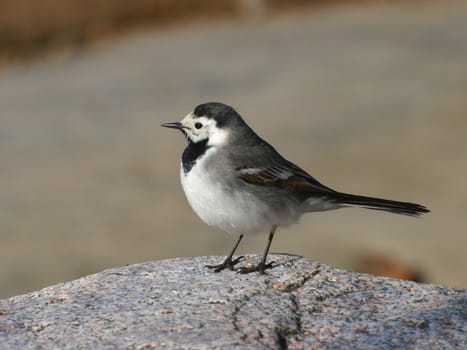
(285, 176)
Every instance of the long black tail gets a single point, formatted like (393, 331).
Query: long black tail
(404, 208)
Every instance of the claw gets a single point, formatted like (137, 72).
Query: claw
(237, 260)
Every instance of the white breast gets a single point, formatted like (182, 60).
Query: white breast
(219, 206)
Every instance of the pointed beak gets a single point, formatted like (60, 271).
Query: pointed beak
(174, 125)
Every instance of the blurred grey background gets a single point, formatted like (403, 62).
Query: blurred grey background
(370, 99)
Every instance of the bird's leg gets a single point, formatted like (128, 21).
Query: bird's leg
(228, 262)
(262, 265)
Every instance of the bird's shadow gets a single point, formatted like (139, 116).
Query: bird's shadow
(273, 264)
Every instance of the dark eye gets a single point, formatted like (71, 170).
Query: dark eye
(198, 125)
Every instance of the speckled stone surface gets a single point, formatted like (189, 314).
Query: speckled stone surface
(180, 304)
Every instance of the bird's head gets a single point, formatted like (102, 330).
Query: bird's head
(212, 121)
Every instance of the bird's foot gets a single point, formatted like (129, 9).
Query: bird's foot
(228, 263)
(260, 268)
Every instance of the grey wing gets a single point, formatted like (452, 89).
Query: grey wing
(262, 165)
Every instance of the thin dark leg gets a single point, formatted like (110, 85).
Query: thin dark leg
(228, 262)
(262, 265)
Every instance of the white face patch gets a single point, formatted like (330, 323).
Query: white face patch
(202, 128)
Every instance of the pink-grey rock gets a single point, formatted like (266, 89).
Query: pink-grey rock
(180, 304)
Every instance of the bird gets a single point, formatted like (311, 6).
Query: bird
(237, 182)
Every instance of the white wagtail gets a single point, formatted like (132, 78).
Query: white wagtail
(236, 181)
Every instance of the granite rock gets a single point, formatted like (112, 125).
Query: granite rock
(180, 304)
